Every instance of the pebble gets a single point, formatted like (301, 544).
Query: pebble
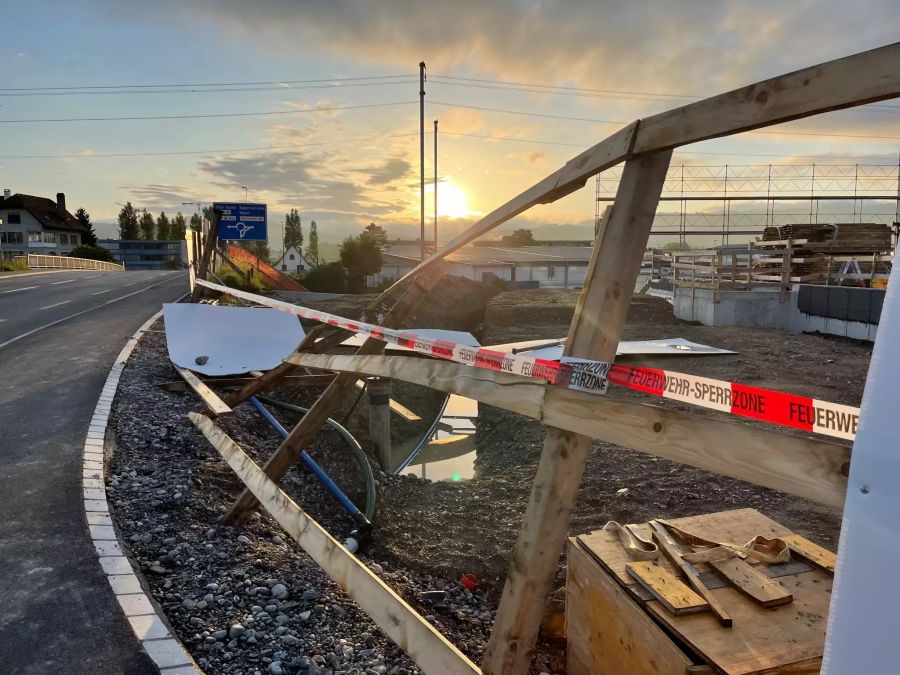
(244, 539)
(279, 591)
(236, 630)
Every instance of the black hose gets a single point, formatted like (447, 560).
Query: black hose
(359, 455)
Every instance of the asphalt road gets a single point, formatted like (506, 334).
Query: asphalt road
(57, 612)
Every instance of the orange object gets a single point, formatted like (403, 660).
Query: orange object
(470, 581)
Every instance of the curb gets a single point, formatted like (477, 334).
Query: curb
(147, 623)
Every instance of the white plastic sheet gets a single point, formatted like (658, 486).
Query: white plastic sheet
(666, 347)
(229, 340)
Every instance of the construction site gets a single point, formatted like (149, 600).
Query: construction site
(609, 458)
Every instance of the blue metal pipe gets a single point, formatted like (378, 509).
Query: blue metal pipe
(310, 463)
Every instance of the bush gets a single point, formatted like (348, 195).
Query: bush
(328, 278)
(92, 253)
(232, 280)
(16, 264)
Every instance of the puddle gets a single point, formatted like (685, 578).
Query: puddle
(450, 455)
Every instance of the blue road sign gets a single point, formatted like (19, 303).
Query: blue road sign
(242, 222)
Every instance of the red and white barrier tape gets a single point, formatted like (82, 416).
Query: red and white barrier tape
(799, 412)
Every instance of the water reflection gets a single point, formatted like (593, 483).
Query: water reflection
(450, 454)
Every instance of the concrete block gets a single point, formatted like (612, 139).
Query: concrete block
(91, 493)
(102, 532)
(96, 505)
(135, 603)
(166, 653)
(98, 518)
(124, 583)
(92, 483)
(148, 627)
(116, 565)
(107, 548)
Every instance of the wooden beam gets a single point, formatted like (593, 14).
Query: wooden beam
(330, 400)
(203, 268)
(215, 405)
(295, 380)
(809, 468)
(593, 334)
(843, 83)
(431, 651)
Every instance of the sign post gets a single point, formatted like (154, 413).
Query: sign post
(242, 222)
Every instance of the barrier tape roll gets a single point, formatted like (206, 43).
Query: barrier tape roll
(767, 405)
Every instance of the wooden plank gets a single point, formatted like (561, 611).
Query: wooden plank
(808, 468)
(749, 579)
(815, 554)
(295, 380)
(665, 587)
(786, 639)
(396, 407)
(608, 632)
(212, 237)
(843, 83)
(215, 405)
(673, 552)
(594, 334)
(331, 399)
(420, 640)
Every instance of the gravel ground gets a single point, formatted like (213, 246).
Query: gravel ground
(168, 487)
(250, 601)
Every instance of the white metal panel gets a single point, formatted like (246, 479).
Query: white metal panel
(862, 623)
(664, 347)
(233, 339)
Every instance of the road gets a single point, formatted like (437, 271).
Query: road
(57, 612)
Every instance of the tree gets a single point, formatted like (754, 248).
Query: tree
(92, 253)
(88, 237)
(377, 232)
(148, 227)
(163, 227)
(196, 222)
(520, 237)
(293, 231)
(178, 227)
(328, 278)
(128, 222)
(361, 256)
(312, 251)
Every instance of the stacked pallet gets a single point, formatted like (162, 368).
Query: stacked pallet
(815, 248)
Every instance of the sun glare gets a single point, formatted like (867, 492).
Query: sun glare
(452, 200)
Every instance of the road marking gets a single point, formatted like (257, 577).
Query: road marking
(16, 290)
(99, 292)
(64, 302)
(57, 283)
(94, 276)
(131, 284)
(2, 320)
(84, 311)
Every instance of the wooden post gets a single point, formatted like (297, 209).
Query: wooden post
(211, 238)
(313, 421)
(594, 334)
(378, 391)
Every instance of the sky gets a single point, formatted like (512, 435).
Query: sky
(337, 85)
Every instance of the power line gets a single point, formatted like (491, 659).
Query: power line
(205, 84)
(204, 115)
(227, 90)
(600, 121)
(534, 88)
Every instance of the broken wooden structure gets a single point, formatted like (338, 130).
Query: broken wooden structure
(813, 469)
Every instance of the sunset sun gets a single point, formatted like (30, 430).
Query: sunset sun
(452, 200)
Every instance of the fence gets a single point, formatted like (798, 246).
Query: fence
(61, 262)
(775, 263)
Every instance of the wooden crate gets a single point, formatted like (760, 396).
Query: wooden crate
(614, 626)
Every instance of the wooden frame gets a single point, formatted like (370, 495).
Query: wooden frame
(645, 146)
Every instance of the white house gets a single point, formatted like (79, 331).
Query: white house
(37, 225)
(294, 261)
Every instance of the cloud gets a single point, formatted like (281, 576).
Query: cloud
(461, 121)
(392, 170)
(155, 196)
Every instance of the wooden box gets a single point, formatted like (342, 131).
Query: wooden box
(615, 627)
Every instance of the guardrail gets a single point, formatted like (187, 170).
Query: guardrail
(61, 262)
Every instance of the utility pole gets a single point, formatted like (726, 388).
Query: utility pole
(435, 186)
(422, 158)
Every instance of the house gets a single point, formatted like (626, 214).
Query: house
(393, 267)
(147, 254)
(37, 225)
(407, 248)
(294, 261)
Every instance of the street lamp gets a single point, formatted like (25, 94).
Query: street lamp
(244, 188)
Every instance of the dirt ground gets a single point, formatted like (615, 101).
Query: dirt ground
(428, 533)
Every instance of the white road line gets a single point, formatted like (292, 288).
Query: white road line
(64, 302)
(100, 292)
(84, 311)
(57, 283)
(16, 290)
(94, 276)
(131, 284)
(2, 320)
